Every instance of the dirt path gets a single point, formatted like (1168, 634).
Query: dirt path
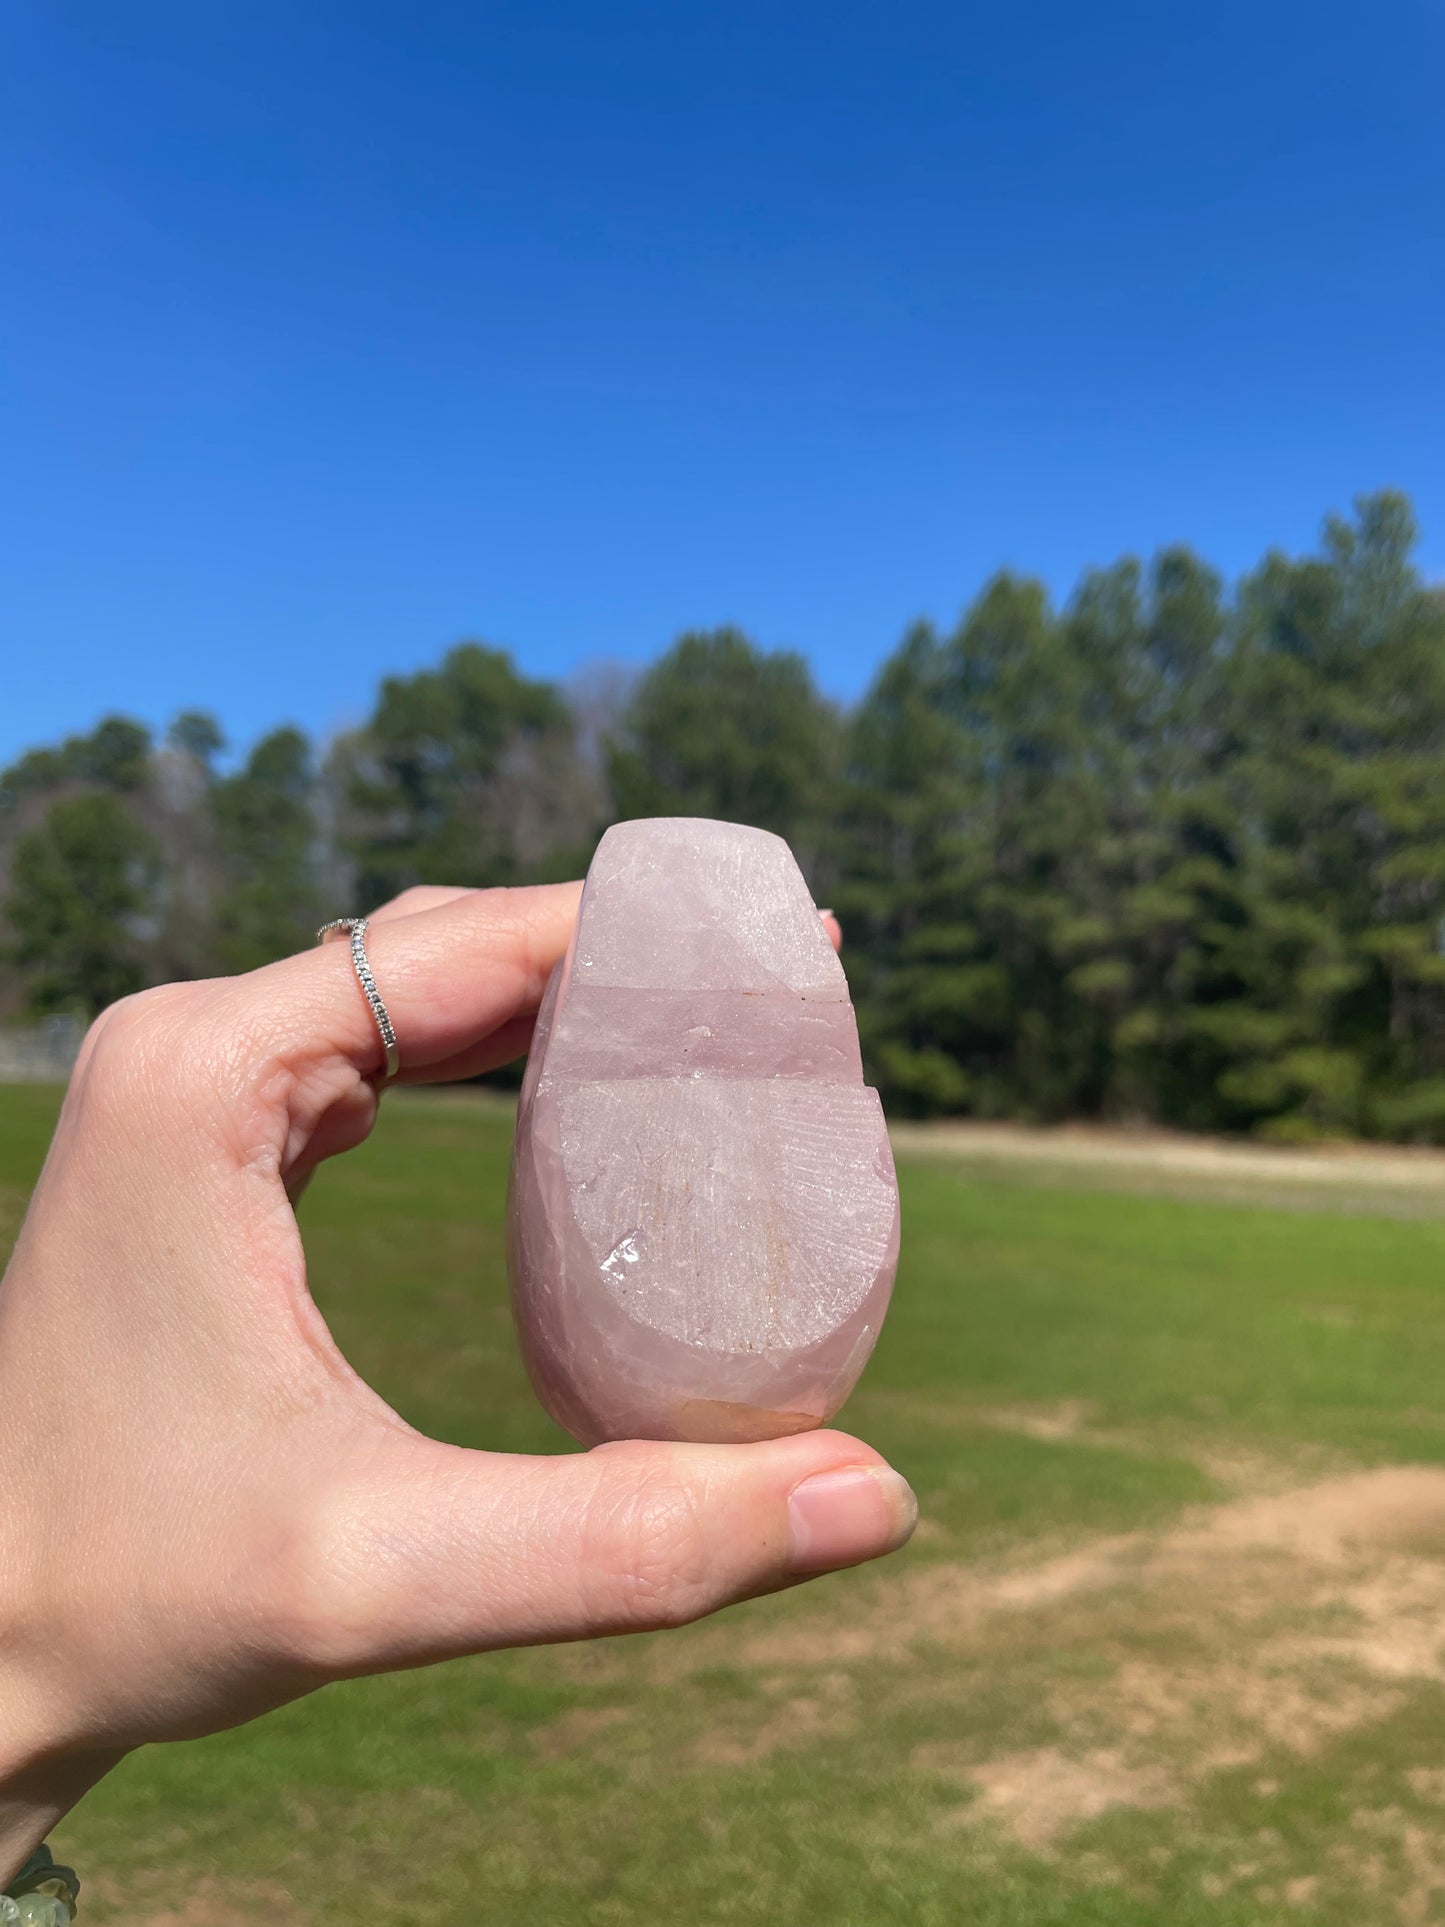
(1193, 1673)
(1348, 1175)
(1411, 1175)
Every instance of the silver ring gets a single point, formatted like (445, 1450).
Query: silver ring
(356, 927)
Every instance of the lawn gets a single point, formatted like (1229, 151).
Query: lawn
(1166, 1648)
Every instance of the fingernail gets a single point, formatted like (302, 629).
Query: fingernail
(841, 1518)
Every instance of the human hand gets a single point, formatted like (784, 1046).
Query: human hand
(206, 1512)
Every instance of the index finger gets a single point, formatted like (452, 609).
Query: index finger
(451, 978)
(461, 979)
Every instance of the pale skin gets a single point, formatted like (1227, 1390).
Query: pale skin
(205, 1511)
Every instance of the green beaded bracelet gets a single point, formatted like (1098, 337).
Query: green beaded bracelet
(40, 1895)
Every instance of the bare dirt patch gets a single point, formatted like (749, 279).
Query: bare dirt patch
(1326, 1525)
(1292, 1620)
(1278, 1623)
(1395, 1179)
(799, 1722)
(1052, 1423)
(210, 1903)
(1329, 1164)
(577, 1731)
(1391, 1507)
(1244, 1636)
(1027, 1792)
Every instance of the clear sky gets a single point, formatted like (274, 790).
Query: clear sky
(336, 331)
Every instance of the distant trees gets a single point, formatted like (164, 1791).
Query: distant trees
(1167, 853)
(718, 728)
(1337, 963)
(115, 756)
(1160, 856)
(267, 853)
(467, 773)
(124, 863)
(1024, 844)
(78, 886)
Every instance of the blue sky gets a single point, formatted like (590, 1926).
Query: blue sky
(337, 332)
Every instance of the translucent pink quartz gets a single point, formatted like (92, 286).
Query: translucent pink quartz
(703, 1224)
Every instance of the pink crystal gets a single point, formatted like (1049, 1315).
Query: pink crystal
(703, 1222)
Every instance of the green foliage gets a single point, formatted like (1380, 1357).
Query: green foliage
(266, 829)
(448, 779)
(1157, 856)
(718, 727)
(115, 755)
(77, 886)
(1161, 854)
(196, 733)
(1336, 778)
(1022, 858)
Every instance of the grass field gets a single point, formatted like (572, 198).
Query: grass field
(1169, 1646)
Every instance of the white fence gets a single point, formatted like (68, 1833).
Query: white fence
(43, 1054)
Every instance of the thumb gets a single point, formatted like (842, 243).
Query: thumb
(434, 1551)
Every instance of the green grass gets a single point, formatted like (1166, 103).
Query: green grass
(1062, 1367)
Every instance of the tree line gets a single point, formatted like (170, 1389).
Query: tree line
(1168, 853)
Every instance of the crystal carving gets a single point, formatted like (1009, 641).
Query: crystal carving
(703, 1220)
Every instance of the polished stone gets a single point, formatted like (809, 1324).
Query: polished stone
(703, 1222)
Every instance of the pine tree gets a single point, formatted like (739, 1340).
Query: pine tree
(266, 833)
(465, 774)
(718, 727)
(79, 884)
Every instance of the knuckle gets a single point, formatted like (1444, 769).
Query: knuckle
(310, 1605)
(143, 1037)
(409, 899)
(648, 1548)
(121, 1030)
(91, 1043)
(418, 896)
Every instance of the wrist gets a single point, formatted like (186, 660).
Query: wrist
(39, 1784)
(47, 1762)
